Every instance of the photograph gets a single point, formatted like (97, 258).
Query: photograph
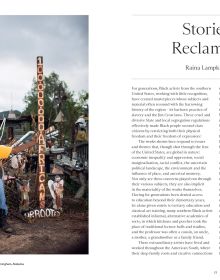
(44, 134)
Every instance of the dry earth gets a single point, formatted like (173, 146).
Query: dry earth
(66, 234)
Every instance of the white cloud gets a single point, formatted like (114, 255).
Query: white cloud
(62, 40)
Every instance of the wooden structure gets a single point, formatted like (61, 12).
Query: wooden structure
(41, 131)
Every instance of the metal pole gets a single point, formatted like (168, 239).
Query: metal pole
(41, 131)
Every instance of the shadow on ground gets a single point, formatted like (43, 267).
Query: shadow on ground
(67, 234)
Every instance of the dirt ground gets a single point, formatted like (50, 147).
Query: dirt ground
(67, 234)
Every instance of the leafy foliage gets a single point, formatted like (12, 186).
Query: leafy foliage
(72, 107)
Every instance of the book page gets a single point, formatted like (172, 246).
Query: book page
(151, 197)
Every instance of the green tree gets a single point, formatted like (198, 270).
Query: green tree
(72, 107)
(83, 98)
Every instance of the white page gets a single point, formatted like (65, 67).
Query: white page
(156, 64)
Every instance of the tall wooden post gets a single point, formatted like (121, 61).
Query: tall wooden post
(41, 132)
